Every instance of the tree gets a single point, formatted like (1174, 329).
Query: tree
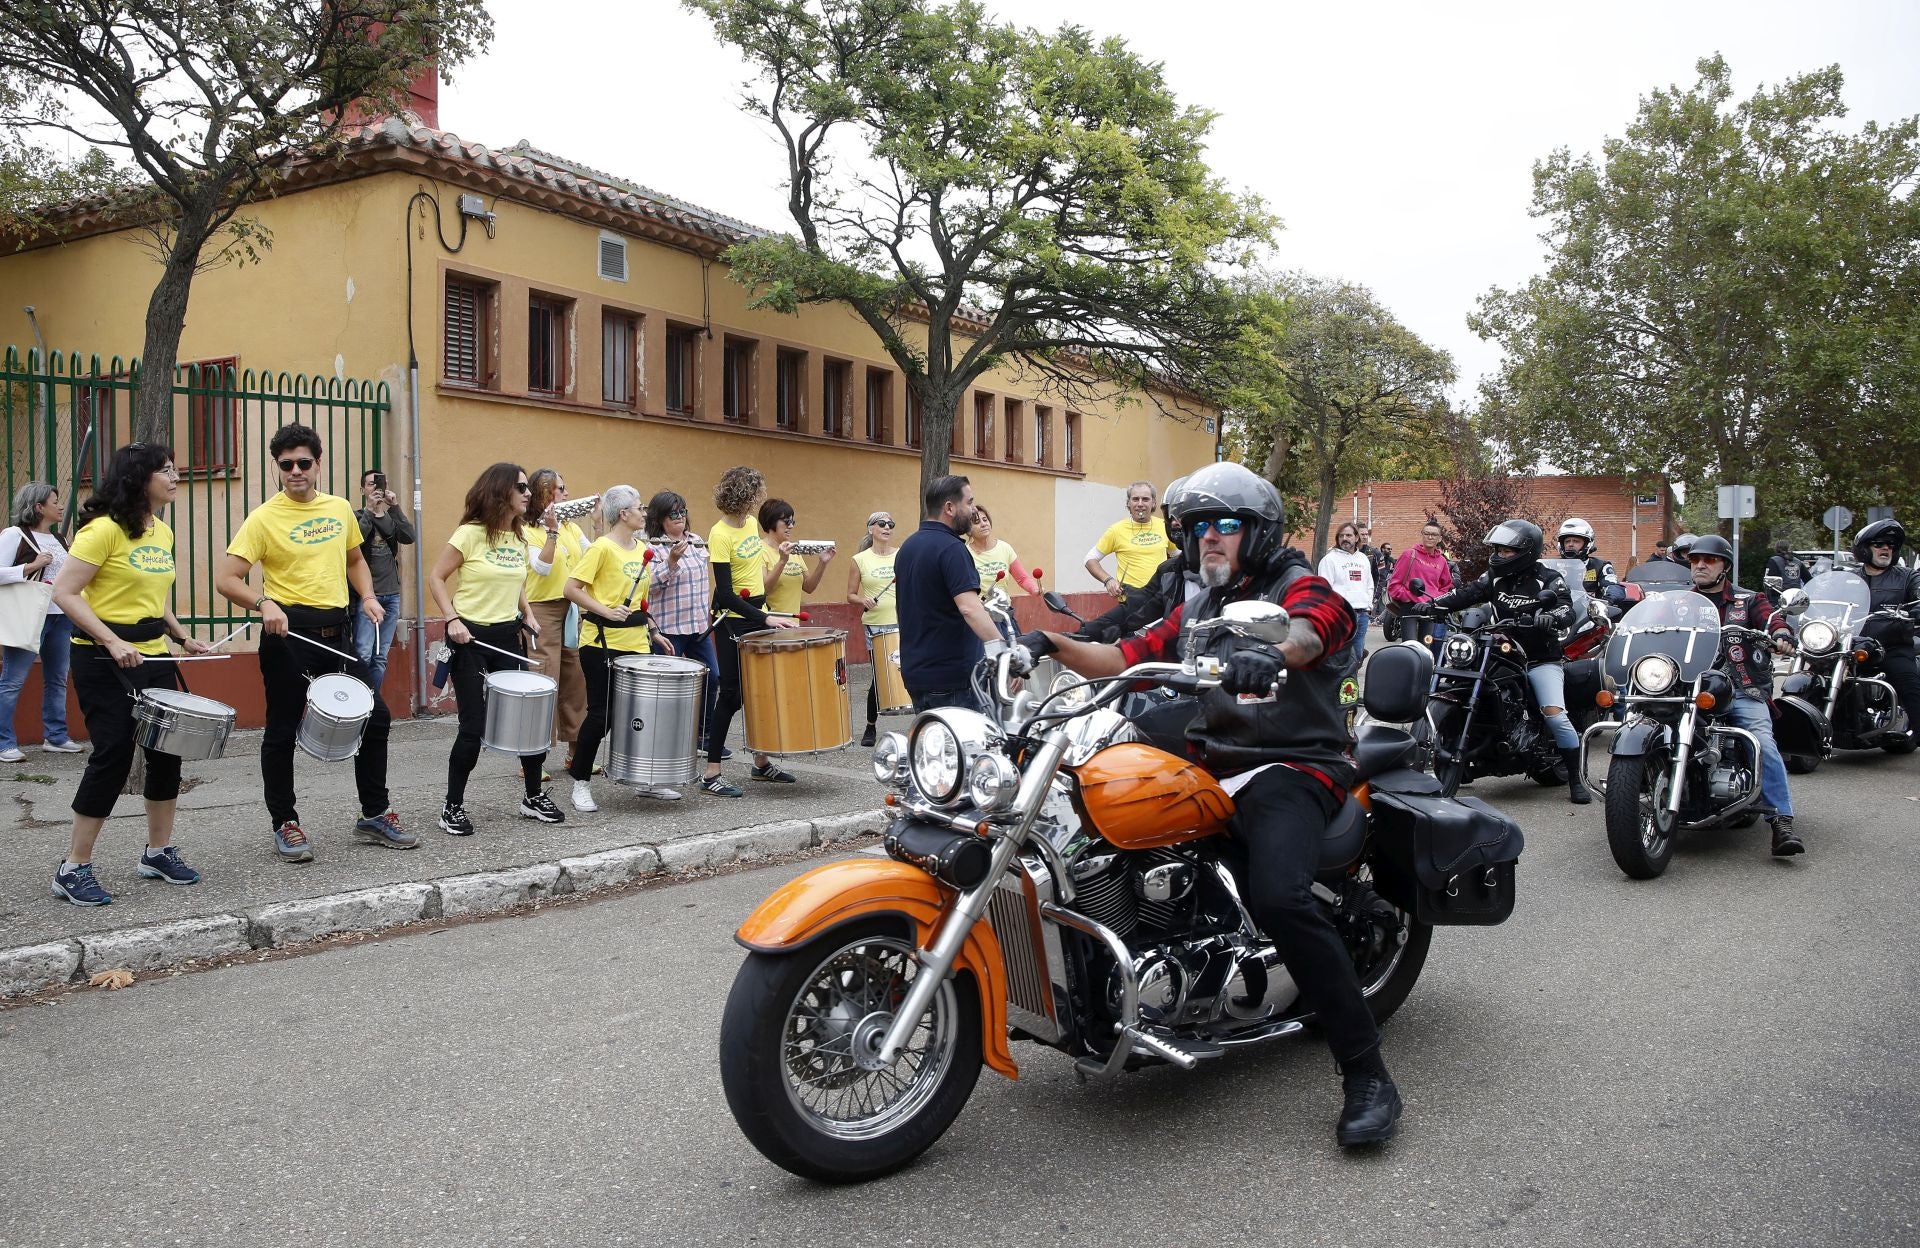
(1039, 199)
(212, 104)
(1471, 503)
(1335, 391)
(1732, 295)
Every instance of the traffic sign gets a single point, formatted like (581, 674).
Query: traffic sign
(1875, 514)
(1836, 518)
(1736, 502)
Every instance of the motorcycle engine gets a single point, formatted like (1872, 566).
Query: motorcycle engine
(1149, 890)
(1727, 784)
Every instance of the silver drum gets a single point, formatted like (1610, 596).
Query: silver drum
(520, 708)
(170, 721)
(338, 708)
(653, 719)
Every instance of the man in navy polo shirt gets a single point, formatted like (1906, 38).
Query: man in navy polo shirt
(944, 627)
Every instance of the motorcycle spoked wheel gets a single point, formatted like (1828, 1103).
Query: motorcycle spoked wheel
(1639, 827)
(1387, 969)
(787, 1042)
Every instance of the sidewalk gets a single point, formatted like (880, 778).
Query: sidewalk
(223, 831)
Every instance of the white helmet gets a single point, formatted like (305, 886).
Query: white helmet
(1574, 526)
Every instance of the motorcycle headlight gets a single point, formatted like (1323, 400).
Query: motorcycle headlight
(890, 759)
(1818, 637)
(1655, 674)
(1459, 650)
(941, 747)
(991, 782)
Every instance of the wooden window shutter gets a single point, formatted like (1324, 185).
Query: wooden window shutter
(463, 346)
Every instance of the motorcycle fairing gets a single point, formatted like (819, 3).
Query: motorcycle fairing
(1800, 727)
(810, 906)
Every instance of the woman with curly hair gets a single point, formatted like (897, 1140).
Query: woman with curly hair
(116, 587)
(488, 552)
(738, 555)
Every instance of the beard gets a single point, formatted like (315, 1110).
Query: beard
(1216, 575)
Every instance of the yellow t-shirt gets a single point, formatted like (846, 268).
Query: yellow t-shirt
(738, 548)
(608, 572)
(492, 570)
(876, 573)
(302, 548)
(135, 579)
(1137, 548)
(992, 562)
(785, 596)
(567, 549)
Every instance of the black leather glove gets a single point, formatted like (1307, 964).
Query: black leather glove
(1038, 644)
(1251, 671)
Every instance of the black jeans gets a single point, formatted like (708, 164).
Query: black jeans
(726, 649)
(1904, 675)
(468, 669)
(1281, 817)
(108, 710)
(932, 699)
(596, 668)
(286, 666)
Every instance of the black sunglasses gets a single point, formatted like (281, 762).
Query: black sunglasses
(885, 524)
(677, 515)
(296, 465)
(523, 487)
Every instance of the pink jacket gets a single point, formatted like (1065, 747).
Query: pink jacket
(1430, 568)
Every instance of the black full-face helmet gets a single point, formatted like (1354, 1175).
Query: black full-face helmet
(1526, 540)
(1878, 531)
(1230, 490)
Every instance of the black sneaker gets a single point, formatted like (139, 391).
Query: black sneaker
(866, 738)
(540, 807)
(1371, 1111)
(718, 786)
(454, 821)
(772, 774)
(167, 865)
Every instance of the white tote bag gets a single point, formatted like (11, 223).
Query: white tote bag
(23, 608)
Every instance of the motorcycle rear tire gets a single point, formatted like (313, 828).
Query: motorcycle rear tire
(753, 1069)
(1802, 764)
(1449, 773)
(1629, 780)
(1393, 991)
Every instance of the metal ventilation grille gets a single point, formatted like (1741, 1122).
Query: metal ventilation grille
(613, 258)
(1012, 913)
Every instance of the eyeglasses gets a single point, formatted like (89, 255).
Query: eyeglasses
(1226, 526)
(296, 465)
(170, 472)
(1879, 545)
(523, 487)
(883, 524)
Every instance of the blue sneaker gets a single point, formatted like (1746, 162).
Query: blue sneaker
(384, 829)
(79, 887)
(291, 843)
(166, 864)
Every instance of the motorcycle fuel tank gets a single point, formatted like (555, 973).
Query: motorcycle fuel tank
(1139, 797)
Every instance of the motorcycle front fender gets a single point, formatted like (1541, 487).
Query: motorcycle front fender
(1640, 737)
(1801, 728)
(812, 906)
(1797, 684)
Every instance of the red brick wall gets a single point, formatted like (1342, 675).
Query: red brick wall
(1399, 508)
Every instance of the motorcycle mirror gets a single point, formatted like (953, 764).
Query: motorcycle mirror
(1262, 621)
(1417, 585)
(1055, 602)
(1794, 601)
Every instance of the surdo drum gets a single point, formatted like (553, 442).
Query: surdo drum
(653, 719)
(794, 684)
(338, 708)
(890, 688)
(186, 725)
(520, 707)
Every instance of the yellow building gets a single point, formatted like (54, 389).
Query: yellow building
(562, 317)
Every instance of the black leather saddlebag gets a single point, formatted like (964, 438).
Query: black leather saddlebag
(1446, 860)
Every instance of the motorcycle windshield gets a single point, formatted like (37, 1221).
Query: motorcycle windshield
(1840, 597)
(1659, 575)
(1681, 625)
(1574, 573)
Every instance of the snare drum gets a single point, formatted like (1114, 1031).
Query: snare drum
(338, 707)
(889, 687)
(653, 719)
(186, 725)
(520, 708)
(793, 682)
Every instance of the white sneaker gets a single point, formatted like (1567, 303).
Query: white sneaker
(660, 791)
(62, 747)
(583, 796)
(12, 756)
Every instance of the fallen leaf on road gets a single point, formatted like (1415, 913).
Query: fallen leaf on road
(110, 980)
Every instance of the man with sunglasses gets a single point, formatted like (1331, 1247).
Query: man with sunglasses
(308, 546)
(1891, 587)
(1281, 750)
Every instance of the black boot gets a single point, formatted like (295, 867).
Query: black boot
(866, 738)
(1785, 843)
(1576, 789)
(1372, 1105)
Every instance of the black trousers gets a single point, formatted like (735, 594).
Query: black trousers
(286, 666)
(108, 711)
(1903, 673)
(468, 669)
(596, 668)
(1281, 817)
(726, 648)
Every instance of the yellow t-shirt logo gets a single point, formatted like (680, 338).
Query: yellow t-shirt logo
(315, 531)
(507, 556)
(155, 560)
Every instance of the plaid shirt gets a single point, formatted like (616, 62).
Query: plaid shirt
(1309, 598)
(681, 603)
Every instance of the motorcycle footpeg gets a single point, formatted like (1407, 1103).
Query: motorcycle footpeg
(1154, 1046)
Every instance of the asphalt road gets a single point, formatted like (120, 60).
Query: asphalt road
(1722, 1056)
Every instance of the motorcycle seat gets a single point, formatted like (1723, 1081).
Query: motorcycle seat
(1381, 749)
(1345, 836)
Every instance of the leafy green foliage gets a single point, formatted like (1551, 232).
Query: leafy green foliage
(1034, 198)
(1732, 295)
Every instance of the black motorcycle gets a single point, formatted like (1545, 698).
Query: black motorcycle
(1675, 761)
(1835, 697)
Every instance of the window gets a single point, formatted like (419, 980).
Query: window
(613, 257)
(683, 369)
(913, 415)
(982, 426)
(619, 358)
(1073, 441)
(547, 354)
(1016, 416)
(210, 416)
(736, 381)
(879, 404)
(468, 354)
(790, 389)
(836, 394)
(1042, 435)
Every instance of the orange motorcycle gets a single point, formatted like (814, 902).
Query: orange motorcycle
(1052, 878)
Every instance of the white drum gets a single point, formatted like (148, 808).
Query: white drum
(520, 707)
(338, 707)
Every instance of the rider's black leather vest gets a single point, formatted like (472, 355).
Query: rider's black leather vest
(1750, 665)
(1894, 588)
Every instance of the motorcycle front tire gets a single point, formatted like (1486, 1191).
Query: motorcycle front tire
(1630, 780)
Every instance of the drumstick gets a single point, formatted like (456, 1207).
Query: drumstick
(474, 641)
(324, 646)
(639, 576)
(801, 616)
(235, 633)
(184, 658)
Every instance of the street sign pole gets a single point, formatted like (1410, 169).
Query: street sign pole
(1837, 518)
(1736, 504)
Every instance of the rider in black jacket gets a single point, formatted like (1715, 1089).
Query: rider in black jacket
(1536, 601)
(1891, 586)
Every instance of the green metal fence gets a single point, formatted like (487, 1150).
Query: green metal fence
(63, 417)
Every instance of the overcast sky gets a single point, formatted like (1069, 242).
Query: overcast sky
(1396, 141)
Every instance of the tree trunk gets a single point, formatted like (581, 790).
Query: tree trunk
(1276, 458)
(1325, 517)
(937, 416)
(166, 319)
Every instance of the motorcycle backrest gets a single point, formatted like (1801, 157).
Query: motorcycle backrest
(1398, 679)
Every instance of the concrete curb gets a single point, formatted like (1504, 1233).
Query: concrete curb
(282, 924)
